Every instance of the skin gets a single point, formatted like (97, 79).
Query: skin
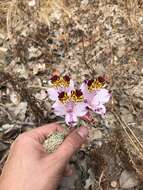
(29, 167)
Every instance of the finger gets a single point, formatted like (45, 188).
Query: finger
(72, 143)
(68, 171)
(41, 133)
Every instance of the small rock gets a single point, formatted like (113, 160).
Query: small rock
(84, 2)
(128, 180)
(121, 51)
(7, 127)
(22, 71)
(140, 19)
(32, 3)
(88, 184)
(34, 53)
(41, 95)
(39, 68)
(15, 98)
(114, 184)
(3, 50)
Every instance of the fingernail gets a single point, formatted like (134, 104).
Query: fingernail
(83, 132)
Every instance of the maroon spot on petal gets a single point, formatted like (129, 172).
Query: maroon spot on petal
(78, 93)
(61, 95)
(101, 79)
(89, 83)
(66, 78)
(55, 78)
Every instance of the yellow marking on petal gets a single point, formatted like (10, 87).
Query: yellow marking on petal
(63, 97)
(95, 85)
(61, 82)
(77, 96)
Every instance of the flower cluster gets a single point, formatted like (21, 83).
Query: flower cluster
(72, 103)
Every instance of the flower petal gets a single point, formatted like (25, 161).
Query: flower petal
(59, 108)
(53, 93)
(71, 85)
(80, 109)
(88, 96)
(100, 109)
(84, 89)
(71, 119)
(101, 97)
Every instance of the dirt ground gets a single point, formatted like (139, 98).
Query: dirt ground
(84, 39)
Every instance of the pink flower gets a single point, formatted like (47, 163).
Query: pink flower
(71, 106)
(95, 95)
(58, 85)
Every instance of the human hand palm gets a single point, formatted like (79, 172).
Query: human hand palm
(30, 167)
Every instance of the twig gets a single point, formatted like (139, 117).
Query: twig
(125, 127)
(100, 179)
(84, 58)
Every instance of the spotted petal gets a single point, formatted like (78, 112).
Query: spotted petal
(80, 109)
(102, 96)
(88, 96)
(53, 93)
(71, 86)
(59, 108)
(84, 89)
(100, 109)
(71, 119)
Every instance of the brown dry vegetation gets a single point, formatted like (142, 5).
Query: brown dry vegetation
(83, 39)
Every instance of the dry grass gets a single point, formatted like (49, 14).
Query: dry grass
(134, 10)
(13, 13)
(53, 8)
(4, 6)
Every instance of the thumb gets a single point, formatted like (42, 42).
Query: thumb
(72, 143)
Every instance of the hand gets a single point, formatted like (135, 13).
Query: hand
(30, 167)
